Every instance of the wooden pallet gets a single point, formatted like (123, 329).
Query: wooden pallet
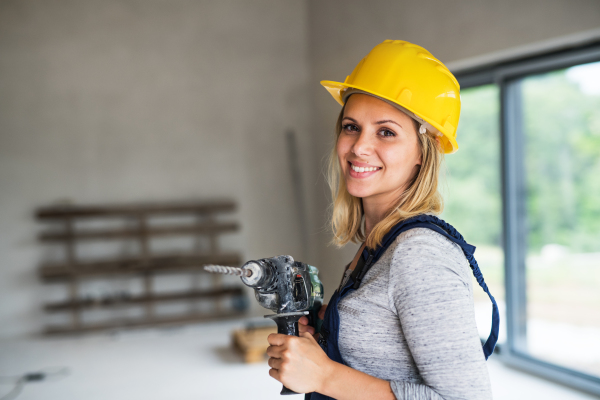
(252, 342)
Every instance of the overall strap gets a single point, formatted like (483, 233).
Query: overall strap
(448, 231)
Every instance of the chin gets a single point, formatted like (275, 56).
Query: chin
(358, 192)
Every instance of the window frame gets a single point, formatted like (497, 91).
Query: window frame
(507, 75)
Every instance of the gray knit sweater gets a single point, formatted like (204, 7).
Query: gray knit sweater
(412, 322)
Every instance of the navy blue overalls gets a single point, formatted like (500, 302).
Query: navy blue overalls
(331, 322)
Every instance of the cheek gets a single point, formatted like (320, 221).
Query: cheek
(342, 147)
(400, 161)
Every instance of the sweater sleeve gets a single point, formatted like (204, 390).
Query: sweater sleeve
(430, 289)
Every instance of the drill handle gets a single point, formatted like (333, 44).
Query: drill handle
(287, 324)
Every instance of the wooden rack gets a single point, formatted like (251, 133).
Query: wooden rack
(144, 265)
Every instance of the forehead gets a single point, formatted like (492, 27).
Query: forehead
(368, 107)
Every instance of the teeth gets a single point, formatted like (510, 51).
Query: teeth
(363, 169)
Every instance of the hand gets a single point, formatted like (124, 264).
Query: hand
(303, 323)
(298, 362)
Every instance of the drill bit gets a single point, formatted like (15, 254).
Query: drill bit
(220, 269)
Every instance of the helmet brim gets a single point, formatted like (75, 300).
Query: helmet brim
(336, 90)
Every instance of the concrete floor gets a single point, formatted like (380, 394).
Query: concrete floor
(193, 362)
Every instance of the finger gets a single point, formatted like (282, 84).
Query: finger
(308, 336)
(306, 328)
(322, 311)
(274, 374)
(274, 351)
(303, 321)
(275, 363)
(277, 339)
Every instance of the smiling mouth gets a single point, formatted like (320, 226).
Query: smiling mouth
(363, 169)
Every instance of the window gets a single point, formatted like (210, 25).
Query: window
(549, 151)
(561, 129)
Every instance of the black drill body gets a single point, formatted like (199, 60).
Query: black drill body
(290, 288)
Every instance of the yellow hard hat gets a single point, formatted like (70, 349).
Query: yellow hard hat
(409, 76)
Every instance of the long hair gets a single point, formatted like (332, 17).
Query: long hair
(420, 196)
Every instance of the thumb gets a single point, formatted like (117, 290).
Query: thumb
(308, 336)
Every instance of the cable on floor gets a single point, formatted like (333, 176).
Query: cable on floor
(21, 380)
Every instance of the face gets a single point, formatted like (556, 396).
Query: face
(378, 149)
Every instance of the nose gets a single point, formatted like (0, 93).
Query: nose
(362, 146)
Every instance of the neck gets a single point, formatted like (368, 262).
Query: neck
(375, 210)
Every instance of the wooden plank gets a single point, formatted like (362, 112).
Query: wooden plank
(136, 265)
(143, 322)
(121, 301)
(211, 228)
(91, 211)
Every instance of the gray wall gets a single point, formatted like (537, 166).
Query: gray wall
(344, 31)
(116, 101)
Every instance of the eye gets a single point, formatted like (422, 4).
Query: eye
(387, 133)
(350, 128)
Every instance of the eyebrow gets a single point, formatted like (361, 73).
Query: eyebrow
(388, 120)
(378, 122)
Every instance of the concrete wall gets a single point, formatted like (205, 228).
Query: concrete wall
(118, 101)
(344, 31)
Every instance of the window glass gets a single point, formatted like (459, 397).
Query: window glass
(473, 201)
(561, 127)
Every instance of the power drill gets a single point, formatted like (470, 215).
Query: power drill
(290, 288)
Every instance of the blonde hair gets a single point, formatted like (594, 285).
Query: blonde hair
(421, 195)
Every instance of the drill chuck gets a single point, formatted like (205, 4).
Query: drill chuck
(252, 273)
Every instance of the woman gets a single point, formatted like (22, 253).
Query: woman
(402, 323)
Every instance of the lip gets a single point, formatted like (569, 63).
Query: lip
(361, 175)
(361, 164)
